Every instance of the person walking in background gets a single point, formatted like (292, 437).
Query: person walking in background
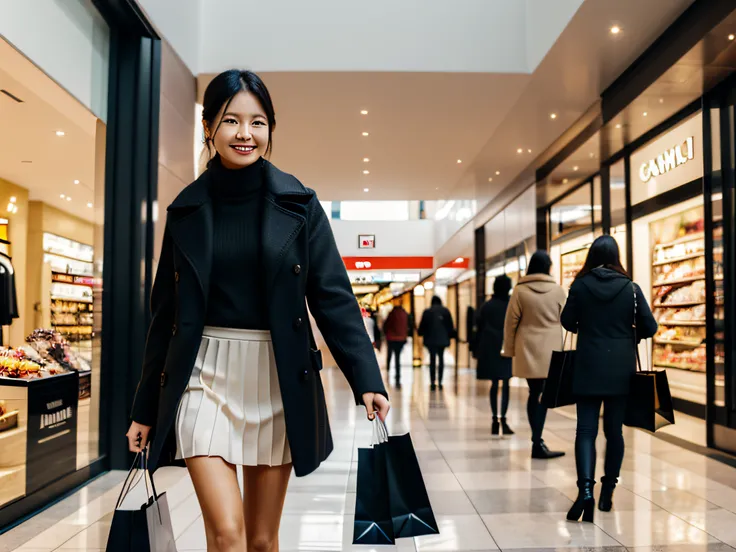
(531, 332)
(396, 330)
(437, 330)
(601, 309)
(491, 365)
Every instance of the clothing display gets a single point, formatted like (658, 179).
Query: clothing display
(236, 287)
(8, 296)
(232, 406)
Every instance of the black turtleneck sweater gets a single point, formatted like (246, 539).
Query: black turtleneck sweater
(236, 294)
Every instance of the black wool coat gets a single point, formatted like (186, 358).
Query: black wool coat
(600, 309)
(491, 317)
(301, 265)
(436, 327)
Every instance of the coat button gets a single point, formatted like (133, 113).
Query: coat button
(176, 276)
(298, 323)
(163, 379)
(173, 329)
(297, 268)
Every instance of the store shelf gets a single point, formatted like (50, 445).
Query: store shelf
(680, 281)
(679, 259)
(679, 367)
(677, 305)
(690, 237)
(682, 323)
(71, 299)
(679, 343)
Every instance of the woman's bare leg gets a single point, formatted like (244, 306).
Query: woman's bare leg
(216, 484)
(265, 491)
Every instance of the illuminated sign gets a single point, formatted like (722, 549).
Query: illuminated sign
(670, 159)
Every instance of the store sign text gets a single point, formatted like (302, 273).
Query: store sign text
(670, 159)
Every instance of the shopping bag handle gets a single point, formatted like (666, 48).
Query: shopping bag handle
(636, 341)
(141, 462)
(380, 431)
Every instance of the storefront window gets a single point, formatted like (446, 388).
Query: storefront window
(597, 204)
(572, 213)
(618, 194)
(51, 239)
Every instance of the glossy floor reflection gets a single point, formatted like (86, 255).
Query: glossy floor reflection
(487, 494)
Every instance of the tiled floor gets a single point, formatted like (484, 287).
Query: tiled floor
(487, 494)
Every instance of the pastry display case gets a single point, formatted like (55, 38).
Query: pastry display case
(570, 265)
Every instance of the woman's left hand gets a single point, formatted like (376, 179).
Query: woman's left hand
(375, 402)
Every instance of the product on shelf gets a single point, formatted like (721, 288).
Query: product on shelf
(670, 295)
(680, 335)
(680, 270)
(8, 420)
(694, 314)
(570, 265)
(668, 356)
(16, 364)
(53, 347)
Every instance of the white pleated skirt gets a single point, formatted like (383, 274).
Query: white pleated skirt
(232, 406)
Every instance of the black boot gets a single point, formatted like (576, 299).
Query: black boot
(541, 452)
(495, 427)
(605, 502)
(585, 503)
(506, 429)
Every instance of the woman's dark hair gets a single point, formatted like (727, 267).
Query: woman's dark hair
(436, 301)
(604, 252)
(540, 263)
(502, 286)
(221, 91)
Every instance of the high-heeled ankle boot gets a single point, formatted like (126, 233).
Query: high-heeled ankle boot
(505, 427)
(585, 503)
(605, 502)
(495, 427)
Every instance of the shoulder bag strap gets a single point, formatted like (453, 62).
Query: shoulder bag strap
(636, 341)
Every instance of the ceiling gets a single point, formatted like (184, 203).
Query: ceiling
(421, 124)
(31, 154)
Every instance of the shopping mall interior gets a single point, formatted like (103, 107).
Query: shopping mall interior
(441, 166)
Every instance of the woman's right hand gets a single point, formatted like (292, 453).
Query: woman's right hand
(137, 436)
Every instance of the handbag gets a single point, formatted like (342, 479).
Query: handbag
(392, 500)
(649, 405)
(147, 529)
(558, 387)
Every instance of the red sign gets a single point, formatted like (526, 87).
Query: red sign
(389, 263)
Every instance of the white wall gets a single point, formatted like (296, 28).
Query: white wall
(67, 39)
(408, 238)
(180, 23)
(546, 20)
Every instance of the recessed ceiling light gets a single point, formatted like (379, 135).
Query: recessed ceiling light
(645, 114)
(13, 199)
(519, 150)
(89, 205)
(366, 160)
(553, 115)
(60, 133)
(76, 181)
(68, 198)
(366, 134)
(62, 196)
(498, 173)
(366, 172)
(490, 179)
(575, 168)
(592, 155)
(618, 126)
(459, 161)
(528, 151)
(661, 100)
(366, 189)
(364, 112)
(564, 181)
(615, 30)
(731, 37)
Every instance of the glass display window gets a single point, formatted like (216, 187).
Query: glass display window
(573, 213)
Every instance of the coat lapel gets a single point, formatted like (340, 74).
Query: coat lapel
(190, 223)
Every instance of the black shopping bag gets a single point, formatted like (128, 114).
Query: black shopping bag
(411, 510)
(147, 529)
(649, 405)
(373, 524)
(558, 387)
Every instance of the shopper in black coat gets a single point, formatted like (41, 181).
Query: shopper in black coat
(600, 309)
(491, 365)
(298, 265)
(437, 329)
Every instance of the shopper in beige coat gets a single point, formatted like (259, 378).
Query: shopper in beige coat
(531, 332)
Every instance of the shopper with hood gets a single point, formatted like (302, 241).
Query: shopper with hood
(491, 365)
(437, 330)
(531, 332)
(601, 309)
(396, 330)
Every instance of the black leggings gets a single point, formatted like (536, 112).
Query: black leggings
(436, 356)
(589, 411)
(504, 397)
(535, 410)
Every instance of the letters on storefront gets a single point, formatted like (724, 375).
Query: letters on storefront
(667, 161)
